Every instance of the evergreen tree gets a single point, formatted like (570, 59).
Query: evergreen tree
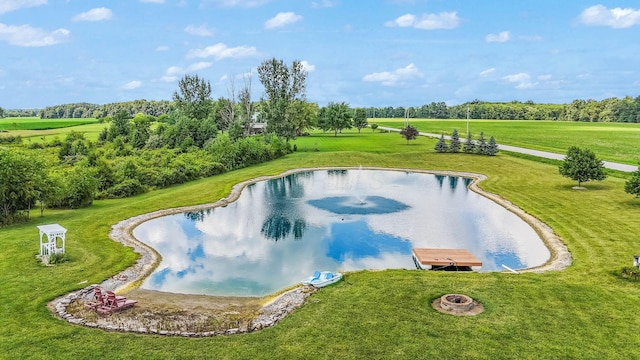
(632, 186)
(492, 147)
(582, 165)
(454, 146)
(469, 145)
(481, 145)
(441, 145)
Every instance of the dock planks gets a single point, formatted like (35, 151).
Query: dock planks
(431, 258)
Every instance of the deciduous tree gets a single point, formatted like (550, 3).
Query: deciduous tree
(21, 182)
(581, 165)
(282, 85)
(360, 119)
(193, 97)
(409, 133)
(335, 117)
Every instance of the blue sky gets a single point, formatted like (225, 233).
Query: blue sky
(366, 53)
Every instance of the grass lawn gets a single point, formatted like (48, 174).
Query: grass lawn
(610, 141)
(584, 312)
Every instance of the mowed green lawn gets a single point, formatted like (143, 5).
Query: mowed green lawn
(583, 312)
(41, 130)
(610, 141)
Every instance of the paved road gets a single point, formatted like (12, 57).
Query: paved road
(543, 154)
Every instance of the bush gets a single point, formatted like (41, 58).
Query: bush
(126, 188)
(58, 258)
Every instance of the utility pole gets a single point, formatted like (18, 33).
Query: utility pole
(467, 119)
(406, 117)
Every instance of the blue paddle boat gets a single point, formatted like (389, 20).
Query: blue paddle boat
(322, 278)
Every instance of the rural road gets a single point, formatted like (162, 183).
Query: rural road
(543, 154)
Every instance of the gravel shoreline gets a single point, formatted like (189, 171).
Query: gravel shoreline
(286, 302)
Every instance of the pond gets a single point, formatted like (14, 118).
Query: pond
(282, 230)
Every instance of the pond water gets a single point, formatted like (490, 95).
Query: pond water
(279, 231)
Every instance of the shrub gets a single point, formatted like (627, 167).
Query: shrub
(126, 188)
(58, 258)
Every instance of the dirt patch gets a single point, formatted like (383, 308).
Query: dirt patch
(177, 312)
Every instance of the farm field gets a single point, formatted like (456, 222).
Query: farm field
(40, 130)
(610, 141)
(584, 311)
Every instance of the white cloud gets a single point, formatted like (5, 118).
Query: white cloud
(443, 20)
(162, 48)
(201, 30)
(521, 80)
(27, 36)
(307, 67)
(169, 78)
(323, 4)
(240, 3)
(132, 85)
(11, 5)
(487, 71)
(282, 19)
(617, 18)
(221, 51)
(174, 72)
(503, 36)
(526, 85)
(519, 77)
(395, 77)
(545, 77)
(97, 14)
(199, 66)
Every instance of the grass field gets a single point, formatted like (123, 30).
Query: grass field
(42, 130)
(584, 312)
(14, 124)
(610, 141)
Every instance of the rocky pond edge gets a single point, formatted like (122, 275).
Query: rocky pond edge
(284, 303)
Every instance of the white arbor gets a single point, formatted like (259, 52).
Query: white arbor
(50, 244)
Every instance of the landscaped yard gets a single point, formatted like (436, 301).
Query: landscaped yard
(585, 311)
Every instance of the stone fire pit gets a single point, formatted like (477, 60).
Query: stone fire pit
(457, 304)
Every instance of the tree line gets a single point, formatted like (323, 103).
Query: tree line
(626, 109)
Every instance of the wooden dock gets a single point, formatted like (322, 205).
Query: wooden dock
(432, 259)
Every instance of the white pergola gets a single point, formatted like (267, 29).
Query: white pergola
(49, 245)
